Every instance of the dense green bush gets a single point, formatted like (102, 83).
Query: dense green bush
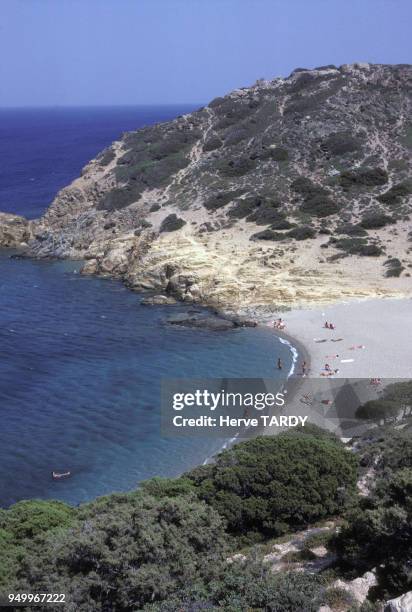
(236, 167)
(279, 154)
(356, 246)
(396, 192)
(378, 410)
(316, 199)
(306, 188)
(131, 550)
(302, 233)
(106, 156)
(340, 143)
(255, 207)
(351, 230)
(268, 234)
(265, 213)
(235, 136)
(212, 143)
(320, 206)
(394, 267)
(22, 525)
(250, 586)
(378, 534)
(375, 221)
(282, 224)
(368, 177)
(171, 223)
(274, 484)
(221, 198)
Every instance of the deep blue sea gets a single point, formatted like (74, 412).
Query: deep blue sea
(81, 359)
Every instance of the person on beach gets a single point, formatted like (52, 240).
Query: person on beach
(304, 368)
(280, 366)
(327, 367)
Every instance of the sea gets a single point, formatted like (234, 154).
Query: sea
(81, 359)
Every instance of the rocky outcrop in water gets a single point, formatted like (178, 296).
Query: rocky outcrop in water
(291, 191)
(14, 231)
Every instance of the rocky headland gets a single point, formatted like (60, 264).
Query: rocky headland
(289, 193)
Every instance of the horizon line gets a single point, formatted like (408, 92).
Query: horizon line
(126, 105)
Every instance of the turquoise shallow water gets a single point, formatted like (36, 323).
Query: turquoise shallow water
(80, 359)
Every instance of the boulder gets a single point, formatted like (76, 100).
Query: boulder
(403, 603)
(158, 300)
(359, 587)
(14, 231)
(201, 321)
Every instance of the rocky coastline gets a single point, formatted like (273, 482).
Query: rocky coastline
(290, 193)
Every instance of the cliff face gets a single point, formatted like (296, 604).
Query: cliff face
(288, 192)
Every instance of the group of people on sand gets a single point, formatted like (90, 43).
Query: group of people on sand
(279, 324)
(328, 371)
(329, 325)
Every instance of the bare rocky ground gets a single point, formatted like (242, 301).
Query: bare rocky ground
(291, 192)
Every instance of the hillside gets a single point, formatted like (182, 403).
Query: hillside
(290, 192)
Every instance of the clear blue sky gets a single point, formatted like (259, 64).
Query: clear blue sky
(81, 52)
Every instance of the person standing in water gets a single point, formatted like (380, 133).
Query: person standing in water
(280, 366)
(304, 368)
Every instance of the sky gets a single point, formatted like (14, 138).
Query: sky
(115, 52)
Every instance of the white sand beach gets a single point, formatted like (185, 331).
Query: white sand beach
(372, 338)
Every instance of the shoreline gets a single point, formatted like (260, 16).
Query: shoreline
(369, 341)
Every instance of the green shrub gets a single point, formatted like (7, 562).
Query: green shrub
(268, 234)
(306, 188)
(351, 230)
(396, 192)
(378, 534)
(266, 213)
(212, 143)
(340, 143)
(256, 207)
(171, 223)
(119, 198)
(370, 250)
(274, 484)
(249, 586)
(237, 167)
(369, 177)
(220, 199)
(106, 156)
(282, 224)
(356, 246)
(375, 221)
(235, 136)
(302, 233)
(378, 410)
(22, 525)
(279, 154)
(320, 206)
(131, 551)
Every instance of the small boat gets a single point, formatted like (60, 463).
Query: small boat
(58, 475)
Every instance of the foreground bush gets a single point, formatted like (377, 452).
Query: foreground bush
(378, 534)
(250, 586)
(131, 550)
(274, 484)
